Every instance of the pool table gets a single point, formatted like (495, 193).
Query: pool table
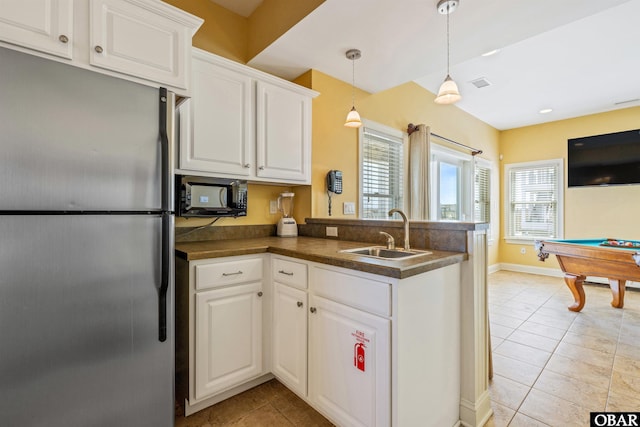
(616, 260)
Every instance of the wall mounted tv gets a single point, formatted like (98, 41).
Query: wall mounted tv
(610, 159)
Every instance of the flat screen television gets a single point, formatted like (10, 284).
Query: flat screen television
(610, 159)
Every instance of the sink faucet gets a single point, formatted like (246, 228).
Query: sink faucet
(406, 226)
(391, 243)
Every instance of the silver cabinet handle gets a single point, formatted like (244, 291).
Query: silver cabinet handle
(246, 166)
(63, 38)
(260, 293)
(285, 272)
(98, 49)
(312, 309)
(300, 304)
(261, 168)
(232, 274)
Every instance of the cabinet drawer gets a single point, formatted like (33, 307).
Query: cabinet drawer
(219, 274)
(290, 273)
(350, 289)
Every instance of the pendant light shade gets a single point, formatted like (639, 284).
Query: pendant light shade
(353, 118)
(448, 93)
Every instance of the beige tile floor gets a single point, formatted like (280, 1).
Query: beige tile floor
(268, 405)
(552, 366)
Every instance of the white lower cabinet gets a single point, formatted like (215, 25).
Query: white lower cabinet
(228, 337)
(349, 364)
(289, 329)
(223, 313)
(363, 349)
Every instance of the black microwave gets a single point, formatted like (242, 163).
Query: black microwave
(202, 197)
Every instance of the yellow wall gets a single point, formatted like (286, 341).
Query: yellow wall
(589, 212)
(273, 18)
(238, 38)
(223, 32)
(257, 209)
(336, 147)
(226, 34)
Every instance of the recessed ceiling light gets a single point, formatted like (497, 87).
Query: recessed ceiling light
(491, 52)
(545, 110)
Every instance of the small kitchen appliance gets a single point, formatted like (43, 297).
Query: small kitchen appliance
(287, 226)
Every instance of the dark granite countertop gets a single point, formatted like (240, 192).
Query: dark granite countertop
(319, 250)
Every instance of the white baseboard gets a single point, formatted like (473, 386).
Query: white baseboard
(545, 271)
(521, 268)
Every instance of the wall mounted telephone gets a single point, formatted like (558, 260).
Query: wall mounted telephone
(334, 184)
(334, 181)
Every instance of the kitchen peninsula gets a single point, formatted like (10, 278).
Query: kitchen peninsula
(390, 342)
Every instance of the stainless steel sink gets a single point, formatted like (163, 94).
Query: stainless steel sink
(384, 253)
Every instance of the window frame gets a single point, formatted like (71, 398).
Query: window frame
(558, 164)
(440, 153)
(401, 139)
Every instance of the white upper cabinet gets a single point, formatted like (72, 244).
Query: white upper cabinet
(243, 123)
(218, 133)
(141, 38)
(283, 133)
(42, 25)
(147, 41)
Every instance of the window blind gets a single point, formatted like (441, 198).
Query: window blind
(382, 173)
(534, 201)
(481, 197)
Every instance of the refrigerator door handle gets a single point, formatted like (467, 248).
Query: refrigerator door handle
(167, 102)
(164, 281)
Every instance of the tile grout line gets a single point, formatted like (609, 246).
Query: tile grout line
(543, 368)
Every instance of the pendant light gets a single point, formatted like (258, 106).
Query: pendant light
(448, 93)
(353, 118)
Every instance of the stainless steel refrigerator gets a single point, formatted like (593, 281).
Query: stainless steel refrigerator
(86, 248)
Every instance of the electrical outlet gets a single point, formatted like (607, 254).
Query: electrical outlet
(523, 250)
(273, 206)
(332, 231)
(349, 208)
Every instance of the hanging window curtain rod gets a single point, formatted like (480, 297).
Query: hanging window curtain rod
(474, 151)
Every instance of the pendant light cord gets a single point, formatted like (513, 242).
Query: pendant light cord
(353, 82)
(448, 13)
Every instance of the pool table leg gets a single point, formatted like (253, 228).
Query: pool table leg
(575, 286)
(617, 289)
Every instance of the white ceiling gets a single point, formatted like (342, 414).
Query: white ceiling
(575, 56)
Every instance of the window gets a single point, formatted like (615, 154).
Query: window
(484, 207)
(534, 200)
(481, 193)
(381, 170)
(450, 184)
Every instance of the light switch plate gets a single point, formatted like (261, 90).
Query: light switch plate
(273, 206)
(349, 208)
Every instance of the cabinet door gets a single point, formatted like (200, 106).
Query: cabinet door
(283, 134)
(228, 337)
(349, 364)
(140, 39)
(219, 124)
(290, 337)
(42, 25)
